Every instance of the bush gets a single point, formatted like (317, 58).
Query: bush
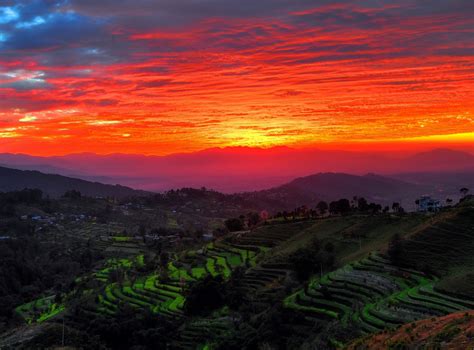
(307, 261)
(234, 224)
(205, 296)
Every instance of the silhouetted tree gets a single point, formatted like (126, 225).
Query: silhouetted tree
(307, 261)
(396, 207)
(72, 194)
(362, 204)
(329, 247)
(322, 207)
(342, 206)
(205, 296)
(395, 249)
(234, 224)
(253, 219)
(164, 259)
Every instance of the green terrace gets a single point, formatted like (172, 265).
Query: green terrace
(40, 310)
(113, 264)
(163, 291)
(373, 295)
(122, 239)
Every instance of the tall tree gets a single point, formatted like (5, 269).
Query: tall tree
(322, 207)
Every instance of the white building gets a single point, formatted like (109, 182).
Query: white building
(428, 204)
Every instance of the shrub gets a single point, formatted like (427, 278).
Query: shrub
(205, 296)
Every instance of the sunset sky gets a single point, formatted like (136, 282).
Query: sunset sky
(167, 76)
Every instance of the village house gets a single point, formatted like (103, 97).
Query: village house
(428, 204)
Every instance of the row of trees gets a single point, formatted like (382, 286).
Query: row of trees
(250, 220)
(342, 206)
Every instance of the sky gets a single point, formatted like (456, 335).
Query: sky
(170, 76)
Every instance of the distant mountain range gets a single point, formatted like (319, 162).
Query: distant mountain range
(237, 169)
(57, 185)
(308, 190)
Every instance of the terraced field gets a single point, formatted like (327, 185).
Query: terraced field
(111, 264)
(165, 296)
(40, 310)
(372, 295)
(198, 334)
(454, 331)
(445, 246)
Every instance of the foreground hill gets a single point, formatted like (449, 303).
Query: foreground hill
(454, 331)
(296, 283)
(57, 185)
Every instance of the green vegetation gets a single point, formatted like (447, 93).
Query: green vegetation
(164, 292)
(121, 239)
(445, 246)
(461, 283)
(372, 295)
(40, 310)
(309, 282)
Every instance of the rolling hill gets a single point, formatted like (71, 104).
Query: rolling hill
(332, 186)
(301, 191)
(57, 185)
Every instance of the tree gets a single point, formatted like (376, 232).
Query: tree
(309, 260)
(253, 219)
(464, 191)
(234, 224)
(234, 293)
(396, 207)
(305, 262)
(205, 296)
(322, 207)
(72, 194)
(142, 232)
(395, 249)
(362, 204)
(164, 259)
(375, 208)
(329, 247)
(342, 206)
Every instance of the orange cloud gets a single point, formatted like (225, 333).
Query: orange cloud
(309, 79)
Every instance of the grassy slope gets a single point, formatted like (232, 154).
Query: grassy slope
(461, 283)
(445, 241)
(445, 245)
(375, 232)
(454, 331)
